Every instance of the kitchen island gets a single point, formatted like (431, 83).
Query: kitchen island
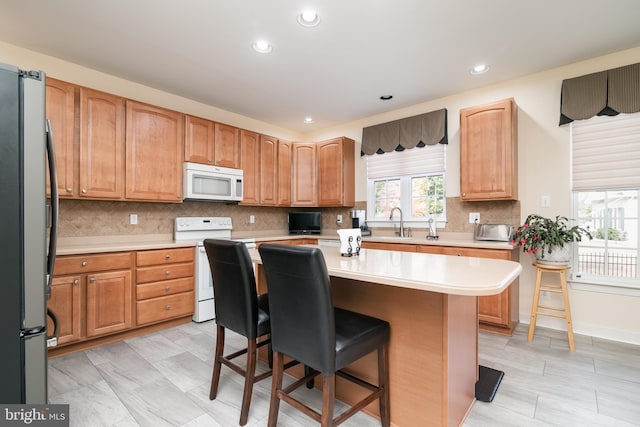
(431, 304)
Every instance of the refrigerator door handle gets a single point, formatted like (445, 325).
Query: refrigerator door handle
(33, 332)
(53, 230)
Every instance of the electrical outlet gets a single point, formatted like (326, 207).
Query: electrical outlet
(339, 220)
(474, 217)
(252, 219)
(133, 219)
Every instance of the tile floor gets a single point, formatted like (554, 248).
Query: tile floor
(163, 379)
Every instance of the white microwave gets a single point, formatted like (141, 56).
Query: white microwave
(205, 182)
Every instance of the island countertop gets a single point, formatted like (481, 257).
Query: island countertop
(453, 275)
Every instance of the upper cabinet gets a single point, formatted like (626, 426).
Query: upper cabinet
(336, 174)
(250, 165)
(268, 170)
(154, 153)
(60, 110)
(285, 149)
(304, 188)
(488, 152)
(101, 145)
(198, 140)
(227, 146)
(89, 137)
(211, 143)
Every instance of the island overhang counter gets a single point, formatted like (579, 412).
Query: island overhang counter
(431, 304)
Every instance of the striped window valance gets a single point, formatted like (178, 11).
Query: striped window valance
(606, 93)
(417, 131)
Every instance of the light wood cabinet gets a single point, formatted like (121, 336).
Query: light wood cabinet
(336, 173)
(304, 182)
(164, 284)
(60, 110)
(101, 145)
(283, 191)
(268, 170)
(211, 143)
(154, 153)
(388, 246)
(250, 164)
(109, 307)
(497, 313)
(92, 295)
(199, 140)
(488, 152)
(226, 151)
(66, 303)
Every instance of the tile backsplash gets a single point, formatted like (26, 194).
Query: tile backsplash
(82, 218)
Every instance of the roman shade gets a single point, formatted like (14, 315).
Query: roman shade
(606, 93)
(417, 131)
(605, 153)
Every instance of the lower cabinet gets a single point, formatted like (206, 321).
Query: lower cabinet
(91, 296)
(164, 284)
(94, 297)
(496, 313)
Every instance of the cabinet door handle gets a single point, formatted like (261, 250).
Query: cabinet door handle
(84, 263)
(167, 307)
(76, 281)
(92, 280)
(84, 191)
(168, 288)
(69, 190)
(167, 272)
(167, 256)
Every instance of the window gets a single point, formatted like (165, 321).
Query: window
(412, 180)
(606, 198)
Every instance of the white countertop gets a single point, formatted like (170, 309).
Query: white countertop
(456, 275)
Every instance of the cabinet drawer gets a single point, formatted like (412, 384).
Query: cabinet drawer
(90, 263)
(164, 272)
(165, 256)
(167, 287)
(163, 308)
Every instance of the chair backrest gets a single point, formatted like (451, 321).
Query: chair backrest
(300, 304)
(234, 286)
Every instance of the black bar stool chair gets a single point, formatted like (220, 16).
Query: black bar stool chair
(306, 327)
(240, 309)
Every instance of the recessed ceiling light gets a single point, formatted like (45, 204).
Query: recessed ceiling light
(308, 119)
(480, 69)
(262, 46)
(386, 97)
(308, 18)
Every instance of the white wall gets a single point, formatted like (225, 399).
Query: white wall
(543, 158)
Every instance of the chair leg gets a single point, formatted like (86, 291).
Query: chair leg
(276, 386)
(328, 399)
(215, 379)
(383, 381)
(249, 378)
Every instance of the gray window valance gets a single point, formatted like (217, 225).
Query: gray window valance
(606, 93)
(417, 131)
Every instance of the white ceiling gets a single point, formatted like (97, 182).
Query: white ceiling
(415, 50)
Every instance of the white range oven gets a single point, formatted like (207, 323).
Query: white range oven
(196, 229)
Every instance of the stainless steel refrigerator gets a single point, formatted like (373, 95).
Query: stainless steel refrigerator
(28, 222)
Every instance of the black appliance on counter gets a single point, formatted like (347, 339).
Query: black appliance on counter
(305, 223)
(25, 262)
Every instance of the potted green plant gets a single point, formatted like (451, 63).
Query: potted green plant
(546, 238)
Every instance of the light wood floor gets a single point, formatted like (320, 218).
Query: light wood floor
(163, 379)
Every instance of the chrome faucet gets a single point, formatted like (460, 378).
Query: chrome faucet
(401, 232)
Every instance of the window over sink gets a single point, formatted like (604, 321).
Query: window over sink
(413, 180)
